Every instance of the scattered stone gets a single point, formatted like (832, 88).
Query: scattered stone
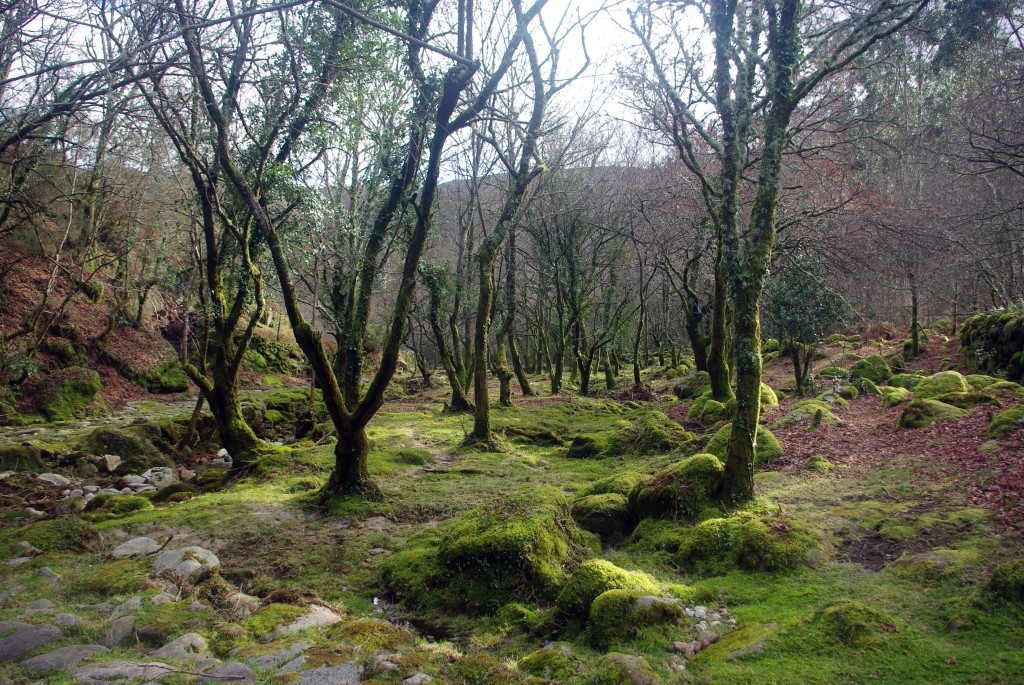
(185, 474)
(231, 671)
(129, 607)
(629, 669)
(136, 547)
(280, 656)
(29, 638)
(755, 648)
(222, 453)
(91, 489)
(109, 462)
(293, 666)
(7, 594)
(4, 475)
(35, 513)
(345, 674)
(77, 492)
(28, 549)
(197, 606)
(67, 620)
(121, 631)
(72, 505)
(119, 672)
(126, 481)
(183, 648)
(54, 479)
(317, 617)
(14, 563)
(188, 563)
(417, 679)
(161, 598)
(378, 550)
(49, 574)
(160, 477)
(243, 605)
(61, 659)
(40, 606)
(706, 638)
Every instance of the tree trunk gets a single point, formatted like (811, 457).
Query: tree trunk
(717, 355)
(517, 366)
(351, 475)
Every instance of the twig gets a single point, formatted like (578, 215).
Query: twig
(890, 495)
(166, 542)
(171, 669)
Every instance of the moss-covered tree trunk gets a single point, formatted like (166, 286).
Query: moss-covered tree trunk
(718, 350)
(517, 367)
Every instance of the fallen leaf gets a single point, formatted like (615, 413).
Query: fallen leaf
(889, 628)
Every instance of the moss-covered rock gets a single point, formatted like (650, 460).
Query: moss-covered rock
(867, 386)
(478, 668)
(940, 384)
(746, 541)
(587, 447)
(767, 448)
(693, 385)
(833, 399)
(105, 506)
(851, 623)
(624, 669)
(1007, 389)
(24, 458)
(706, 410)
(370, 634)
(768, 397)
(622, 483)
(816, 462)
(833, 372)
(980, 381)
(848, 392)
(616, 615)
(966, 400)
(680, 490)
(556, 661)
(606, 514)
(121, 577)
(165, 378)
(652, 433)
(905, 380)
(891, 396)
(813, 412)
(875, 368)
(68, 393)
(64, 535)
(1007, 581)
(595, 577)
(1004, 422)
(136, 451)
(921, 413)
(263, 622)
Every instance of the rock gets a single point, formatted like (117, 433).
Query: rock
(280, 656)
(160, 477)
(136, 547)
(54, 479)
(706, 638)
(91, 489)
(77, 492)
(378, 550)
(7, 594)
(142, 488)
(20, 561)
(4, 475)
(121, 631)
(243, 605)
(119, 672)
(129, 607)
(685, 648)
(183, 648)
(28, 549)
(317, 617)
(35, 513)
(161, 598)
(185, 474)
(126, 481)
(293, 666)
(188, 563)
(48, 573)
(417, 679)
(223, 454)
(26, 639)
(8, 627)
(40, 606)
(628, 669)
(377, 524)
(67, 620)
(345, 674)
(755, 648)
(61, 659)
(230, 672)
(109, 462)
(197, 606)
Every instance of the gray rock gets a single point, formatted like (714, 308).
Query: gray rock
(72, 505)
(48, 573)
(293, 666)
(125, 481)
(161, 598)
(77, 492)
(35, 513)
(89, 496)
(54, 479)
(633, 670)
(40, 606)
(129, 607)
(187, 563)
(29, 549)
(61, 659)
(346, 674)
(317, 617)
(67, 620)
(648, 601)
(280, 656)
(136, 547)
(109, 462)
(10, 592)
(16, 644)
(183, 648)
(121, 631)
(91, 489)
(417, 679)
(160, 477)
(231, 671)
(755, 648)
(20, 561)
(8, 627)
(119, 672)
(243, 605)
(145, 487)
(197, 606)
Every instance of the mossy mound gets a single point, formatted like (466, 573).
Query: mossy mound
(268, 617)
(905, 380)
(851, 623)
(1007, 581)
(745, 541)
(23, 458)
(624, 669)
(807, 411)
(680, 490)
(693, 385)
(833, 399)
(816, 462)
(1004, 422)
(966, 400)
(516, 547)
(768, 396)
(848, 392)
(921, 413)
(980, 381)
(556, 661)
(176, 492)
(164, 379)
(136, 451)
(767, 449)
(1007, 389)
(105, 506)
(891, 396)
(706, 410)
(593, 578)
(940, 384)
(651, 434)
(587, 447)
(68, 393)
(621, 484)
(65, 535)
(371, 634)
(867, 386)
(874, 368)
(616, 615)
(656, 535)
(606, 514)
(121, 577)
(483, 669)
(833, 372)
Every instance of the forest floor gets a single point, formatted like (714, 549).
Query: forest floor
(909, 524)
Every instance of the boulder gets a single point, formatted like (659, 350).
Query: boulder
(54, 479)
(119, 672)
(27, 639)
(160, 477)
(61, 659)
(188, 563)
(136, 547)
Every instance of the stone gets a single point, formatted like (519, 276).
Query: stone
(10, 592)
(755, 648)
(40, 606)
(48, 573)
(280, 656)
(129, 607)
(142, 488)
(185, 474)
(8, 627)
(125, 481)
(230, 672)
(20, 561)
(706, 638)
(54, 479)
(317, 617)
(119, 672)
(61, 659)
(188, 563)
(223, 454)
(183, 648)
(91, 489)
(72, 505)
(345, 674)
(121, 631)
(197, 606)
(417, 679)
(67, 620)
(630, 669)
(27, 639)
(109, 462)
(161, 598)
(77, 492)
(293, 666)
(136, 547)
(29, 549)
(35, 513)
(242, 605)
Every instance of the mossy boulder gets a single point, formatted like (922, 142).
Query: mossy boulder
(594, 577)
(108, 506)
(851, 623)
(813, 412)
(556, 661)
(651, 434)
(940, 384)
(745, 540)
(848, 392)
(833, 399)
(966, 400)
(706, 410)
(1007, 389)
(866, 386)
(263, 622)
(921, 413)
(136, 451)
(606, 514)
(767, 448)
(658, 535)
(818, 463)
(371, 634)
(1007, 581)
(980, 381)
(479, 668)
(68, 393)
(891, 396)
(64, 535)
(833, 372)
(121, 577)
(905, 380)
(682, 489)
(693, 385)
(25, 458)
(163, 379)
(875, 368)
(616, 615)
(622, 483)
(587, 447)
(768, 397)
(1004, 422)
(624, 669)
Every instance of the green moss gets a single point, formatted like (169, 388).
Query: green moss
(176, 492)
(587, 447)
(966, 400)
(616, 615)
(106, 506)
(66, 535)
(979, 381)
(921, 413)
(484, 669)
(371, 634)
(867, 386)
(163, 379)
(851, 623)
(937, 565)
(67, 393)
(940, 384)
(555, 661)
(652, 433)
(622, 483)
(274, 417)
(1007, 581)
(816, 462)
(1004, 422)
(833, 372)
(22, 458)
(624, 669)
(159, 624)
(415, 456)
(768, 396)
(905, 380)
(136, 451)
(891, 396)
(605, 514)
(693, 385)
(656, 535)
(1006, 389)
(848, 392)
(121, 577)
(832, 400)
(263, 622)
(874, 368)
(682, 489)
(706, 410)
(767, 449)
(595, 577)
(745, 541)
